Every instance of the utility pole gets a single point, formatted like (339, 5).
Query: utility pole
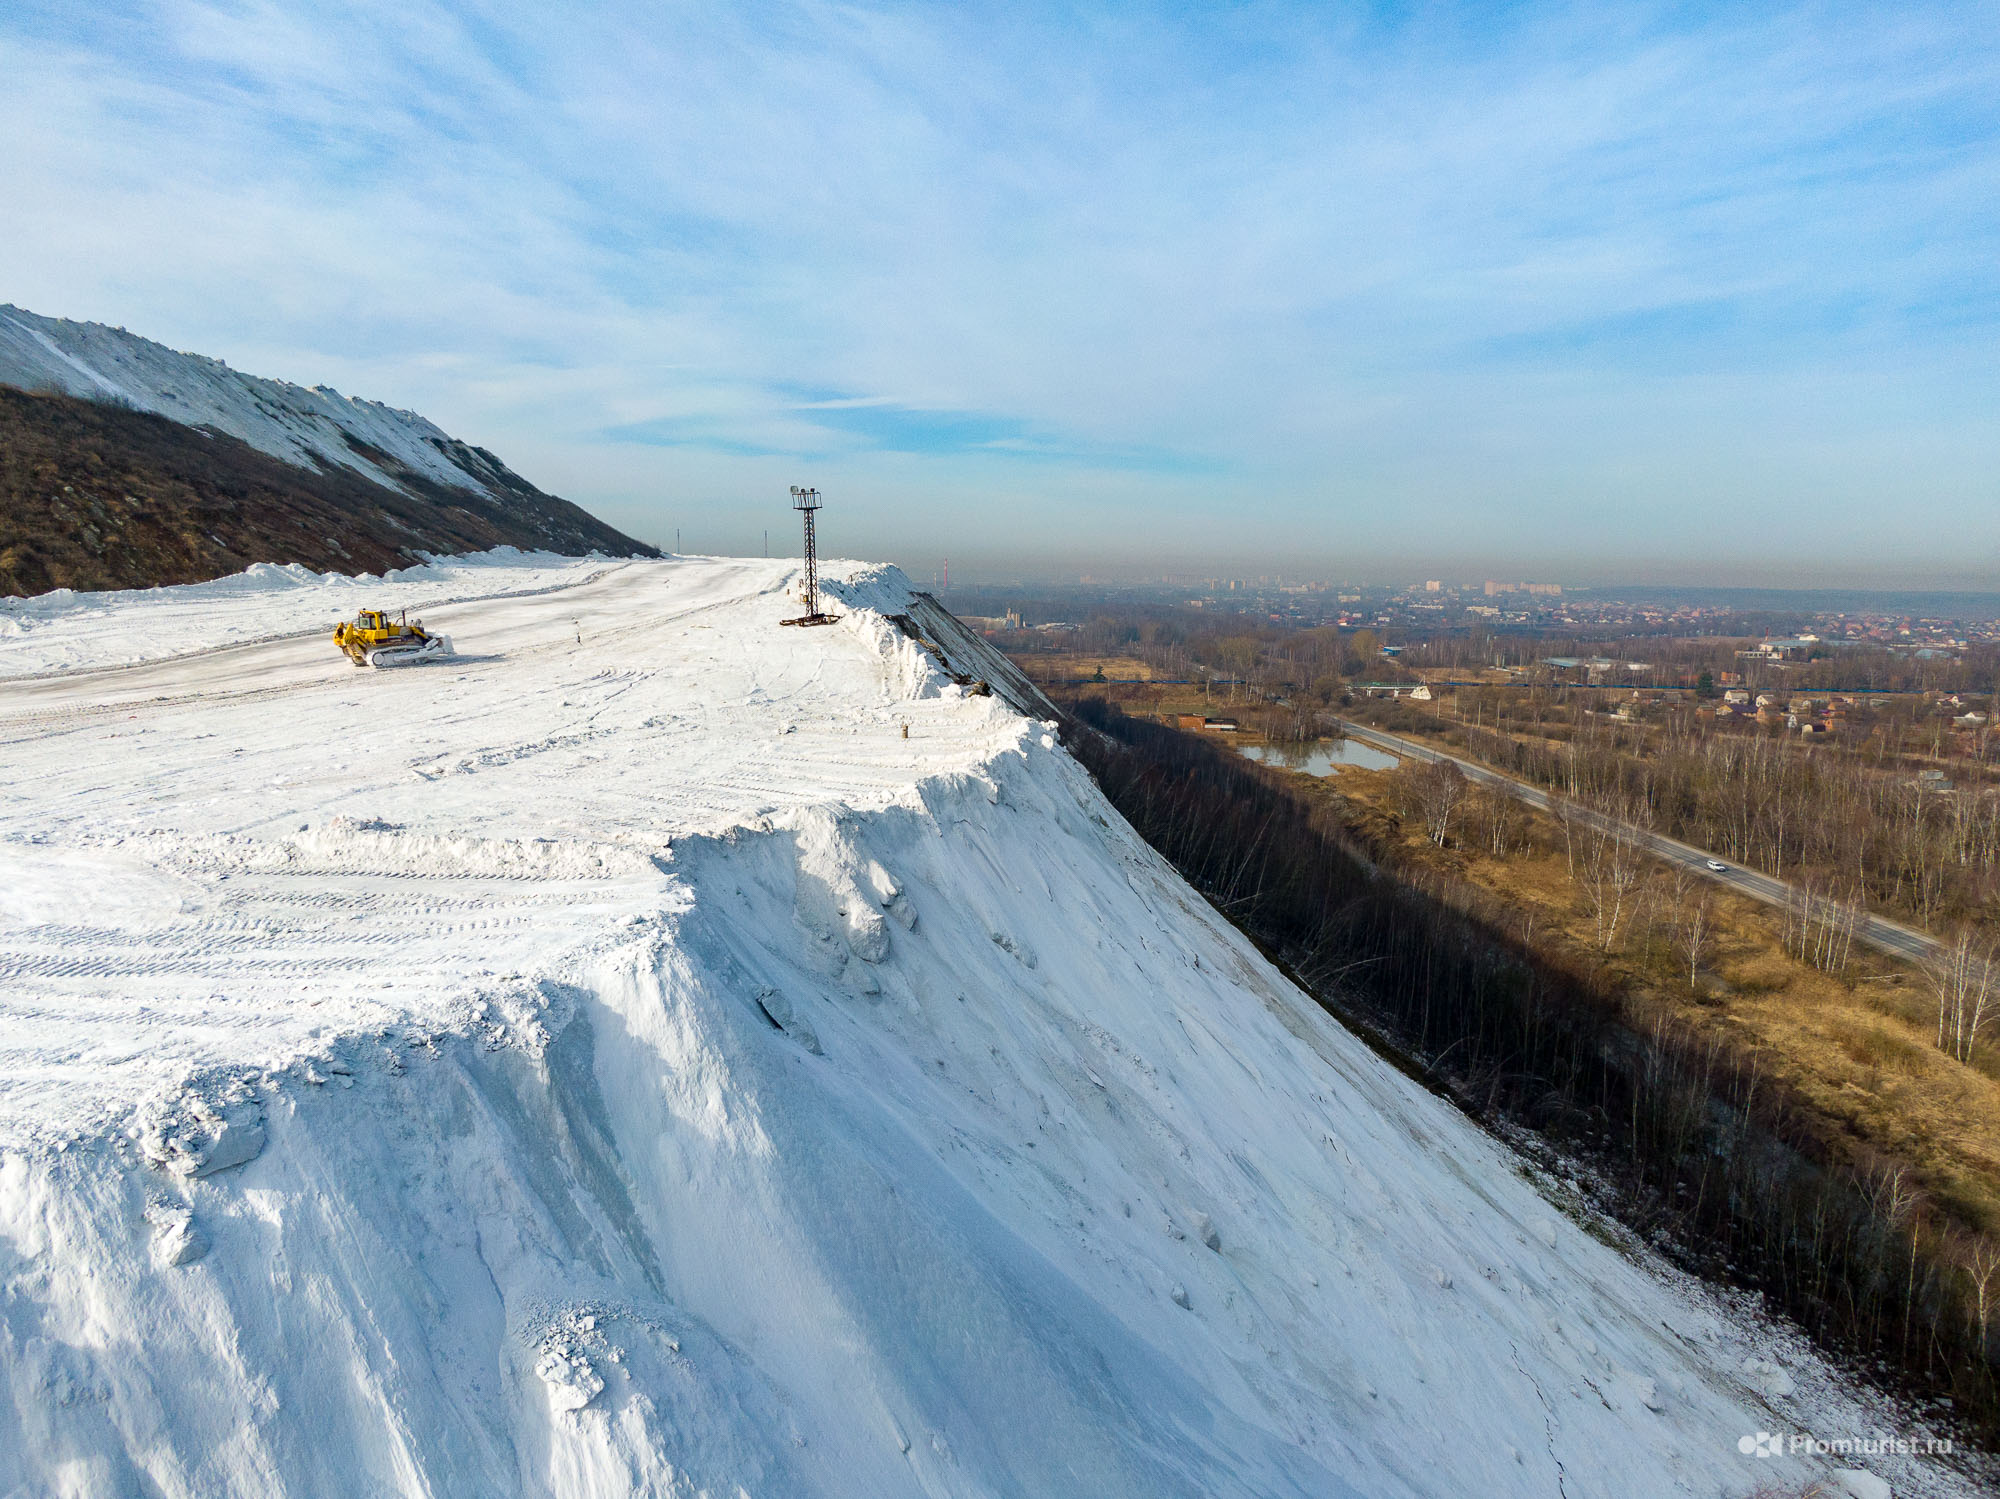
(806, 502)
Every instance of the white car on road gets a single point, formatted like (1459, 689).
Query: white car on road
(1718, 866)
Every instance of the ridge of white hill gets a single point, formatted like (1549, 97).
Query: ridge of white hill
(626, 1061)
(306, 425)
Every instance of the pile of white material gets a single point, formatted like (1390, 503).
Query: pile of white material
(306, 426)
(640, 1068)
(70, 631)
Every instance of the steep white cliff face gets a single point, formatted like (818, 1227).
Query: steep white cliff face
(625, 1062)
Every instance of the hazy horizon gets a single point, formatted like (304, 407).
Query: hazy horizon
(1666, 294)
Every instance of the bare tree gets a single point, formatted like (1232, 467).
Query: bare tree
(1982, 1269)
(1565, 814)
(1439, 789)
(1504, 823)
(1819, 926)
(1609, 860)
(1694, 935)
(1892, 1192)
(1962, 981)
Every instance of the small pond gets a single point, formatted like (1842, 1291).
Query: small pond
(1322, 757)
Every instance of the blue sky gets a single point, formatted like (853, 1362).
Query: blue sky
(1701, 293)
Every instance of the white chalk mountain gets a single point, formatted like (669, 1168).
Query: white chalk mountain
(668, 1053)
(311, 426)
(128, 464)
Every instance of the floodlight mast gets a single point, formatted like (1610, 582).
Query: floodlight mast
(806, 502)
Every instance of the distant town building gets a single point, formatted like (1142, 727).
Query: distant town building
(1595, 665)
(987, 623)
(1781, 650)
(1542, 590)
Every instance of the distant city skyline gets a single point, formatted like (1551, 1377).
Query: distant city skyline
(1690, 294)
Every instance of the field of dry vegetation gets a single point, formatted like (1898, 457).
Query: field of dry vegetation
(1859, 1044)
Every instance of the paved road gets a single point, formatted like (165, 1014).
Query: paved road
(1889, 936)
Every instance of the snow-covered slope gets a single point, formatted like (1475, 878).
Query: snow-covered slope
(627, 1061)
(310, 426)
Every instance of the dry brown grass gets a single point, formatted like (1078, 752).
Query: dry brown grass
(1855, 1046)
(1065, 667)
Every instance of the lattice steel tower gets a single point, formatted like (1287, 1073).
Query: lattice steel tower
(806, 502)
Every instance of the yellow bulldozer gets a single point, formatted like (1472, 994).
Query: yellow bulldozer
(371, 638)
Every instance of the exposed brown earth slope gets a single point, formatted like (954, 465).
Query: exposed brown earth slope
(99, 496)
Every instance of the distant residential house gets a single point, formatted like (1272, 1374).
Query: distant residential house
(1736, 695)
(1188, 720)
(1767, 700)
(1220, 725)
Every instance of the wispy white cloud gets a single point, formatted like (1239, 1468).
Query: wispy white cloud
(1446, 283)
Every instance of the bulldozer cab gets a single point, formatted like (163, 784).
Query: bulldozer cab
(371, 619)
